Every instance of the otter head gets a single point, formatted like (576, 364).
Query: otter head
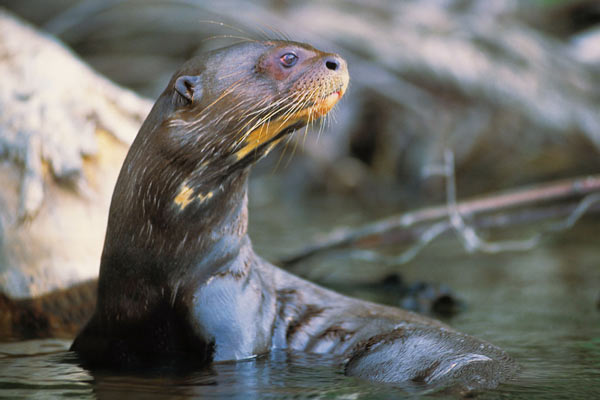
(224, 110)
(234, 104)
(185, 174)
(178, 211)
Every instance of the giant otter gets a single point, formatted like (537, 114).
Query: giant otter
(179, 280)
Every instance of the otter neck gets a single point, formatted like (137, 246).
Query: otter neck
(162, 233)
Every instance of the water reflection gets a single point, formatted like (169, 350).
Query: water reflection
(43, 374)
(40, 369)
(278, 375)
(539, 306)
(46, 369)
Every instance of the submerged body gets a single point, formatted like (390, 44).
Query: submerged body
(179, 279)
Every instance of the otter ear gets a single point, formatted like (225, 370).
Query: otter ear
(190, 87)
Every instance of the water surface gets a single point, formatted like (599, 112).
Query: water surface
(540, 306)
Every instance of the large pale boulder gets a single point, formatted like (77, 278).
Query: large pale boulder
(64, 131)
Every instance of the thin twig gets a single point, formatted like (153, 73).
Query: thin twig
(384, 230)
(471, 240)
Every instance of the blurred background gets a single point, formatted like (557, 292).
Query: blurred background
(510, 86)
(510, 89)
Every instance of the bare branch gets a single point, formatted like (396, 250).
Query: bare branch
(409, 226)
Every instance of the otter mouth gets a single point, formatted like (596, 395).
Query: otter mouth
(272, 131)
(326, 103)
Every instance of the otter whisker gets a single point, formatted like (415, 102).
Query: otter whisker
(293, 152)
(227, 76)
(279, 35)
(242, 39)
(231, 113)
(199, 120)
(275, 105)
(271, 110)
(261, 121)
(231, 88)
(322, 123)
(285, 148)
(308, 126)
(299, 105)
(265, 36)
(223, 24)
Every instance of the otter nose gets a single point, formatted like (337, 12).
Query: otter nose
(333, 63)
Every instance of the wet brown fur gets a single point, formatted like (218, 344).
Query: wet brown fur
(189, 158)
(179, 281)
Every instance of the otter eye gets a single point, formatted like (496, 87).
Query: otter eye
(288, 59)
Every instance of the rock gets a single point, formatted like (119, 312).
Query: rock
(64, 131)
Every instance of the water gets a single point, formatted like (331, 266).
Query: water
(278, 375)
(540, 306)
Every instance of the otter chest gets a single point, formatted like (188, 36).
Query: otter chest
(235, 310)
